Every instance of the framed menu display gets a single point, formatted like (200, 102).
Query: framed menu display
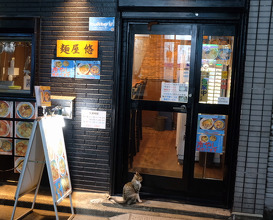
(46, 146)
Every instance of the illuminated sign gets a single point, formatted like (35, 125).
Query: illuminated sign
(74, 48)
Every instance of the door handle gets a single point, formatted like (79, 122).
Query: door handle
(182, 108)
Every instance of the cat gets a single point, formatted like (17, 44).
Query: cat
(131, 190)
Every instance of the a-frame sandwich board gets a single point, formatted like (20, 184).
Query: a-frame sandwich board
(46, 146)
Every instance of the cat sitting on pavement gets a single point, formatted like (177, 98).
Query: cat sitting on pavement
(131, 190)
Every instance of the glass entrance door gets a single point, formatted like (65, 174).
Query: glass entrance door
(179, 90)
(160, 81)
(161, 71)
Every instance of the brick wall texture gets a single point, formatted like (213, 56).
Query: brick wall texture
(88, 149)
(253, 187)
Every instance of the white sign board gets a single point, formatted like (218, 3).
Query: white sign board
(174, 92)
(93, 119)
(46, 146)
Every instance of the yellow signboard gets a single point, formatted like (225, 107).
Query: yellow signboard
(75, 48)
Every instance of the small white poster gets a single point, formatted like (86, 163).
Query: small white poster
(223, 100)
(93, 119)
(174, 92)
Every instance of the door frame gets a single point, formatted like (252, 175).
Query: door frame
(117, 154)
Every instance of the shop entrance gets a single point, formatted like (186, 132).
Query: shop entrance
(179, 87)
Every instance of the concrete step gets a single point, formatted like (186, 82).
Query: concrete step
(97, 204)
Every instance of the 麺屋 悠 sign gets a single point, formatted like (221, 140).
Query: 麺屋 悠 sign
(78, 49)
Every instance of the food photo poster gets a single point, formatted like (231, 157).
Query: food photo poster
(63, 68)
(55, 146)
(80, 69)
(210, 133)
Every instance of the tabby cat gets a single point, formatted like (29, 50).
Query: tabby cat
(131, 191)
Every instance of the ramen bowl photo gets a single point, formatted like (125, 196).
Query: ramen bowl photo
(203, 138)
(83, 69)
(4, 109)
(4, 128)
(25, 110)
(23, 129)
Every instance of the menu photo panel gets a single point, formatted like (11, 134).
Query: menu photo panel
(25, 110)
(6, 109)
(5, 146)
(23, 129)
(56, 154)
(6, 128)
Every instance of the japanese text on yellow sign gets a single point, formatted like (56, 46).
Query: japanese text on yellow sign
(73, 48)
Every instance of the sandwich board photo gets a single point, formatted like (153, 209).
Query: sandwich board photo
(46, 147)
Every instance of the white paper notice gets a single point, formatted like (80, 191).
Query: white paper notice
(174, 92)
(223, 100)
(93, 119)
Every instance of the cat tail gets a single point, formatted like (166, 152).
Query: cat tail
(113, 200)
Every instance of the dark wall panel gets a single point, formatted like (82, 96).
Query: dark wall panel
(88, 149)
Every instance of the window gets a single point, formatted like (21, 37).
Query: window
(18, 37)
(15, 64)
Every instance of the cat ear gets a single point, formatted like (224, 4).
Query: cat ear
(137, 173)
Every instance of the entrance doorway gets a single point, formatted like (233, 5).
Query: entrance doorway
(179, 88)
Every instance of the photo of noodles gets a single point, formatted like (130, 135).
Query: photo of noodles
(95, 70)
(21, 147)
(6, 145)
(83, 69)
(65, 183)
(203, 138)
(213, 138)
(4, 109)
(54, 170)
(4, 128)
(25, 110)
(206, 123)
(58, 63)
(219, 125)
(62, 167)
(23, 129)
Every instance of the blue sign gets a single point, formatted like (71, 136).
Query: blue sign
(63, 68)
(88, 69)
(209, 143)
(210, 133)
(101, 23)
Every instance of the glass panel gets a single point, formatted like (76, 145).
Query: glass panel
(157, 143)
(161, 67)
(210, 146)
(15, 64)
(216, 69)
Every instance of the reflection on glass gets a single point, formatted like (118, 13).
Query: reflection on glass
(210, 146)
(15, 64)
(216, 69)
(157, 143)
(161, 67)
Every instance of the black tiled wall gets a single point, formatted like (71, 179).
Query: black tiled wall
(88, 149)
